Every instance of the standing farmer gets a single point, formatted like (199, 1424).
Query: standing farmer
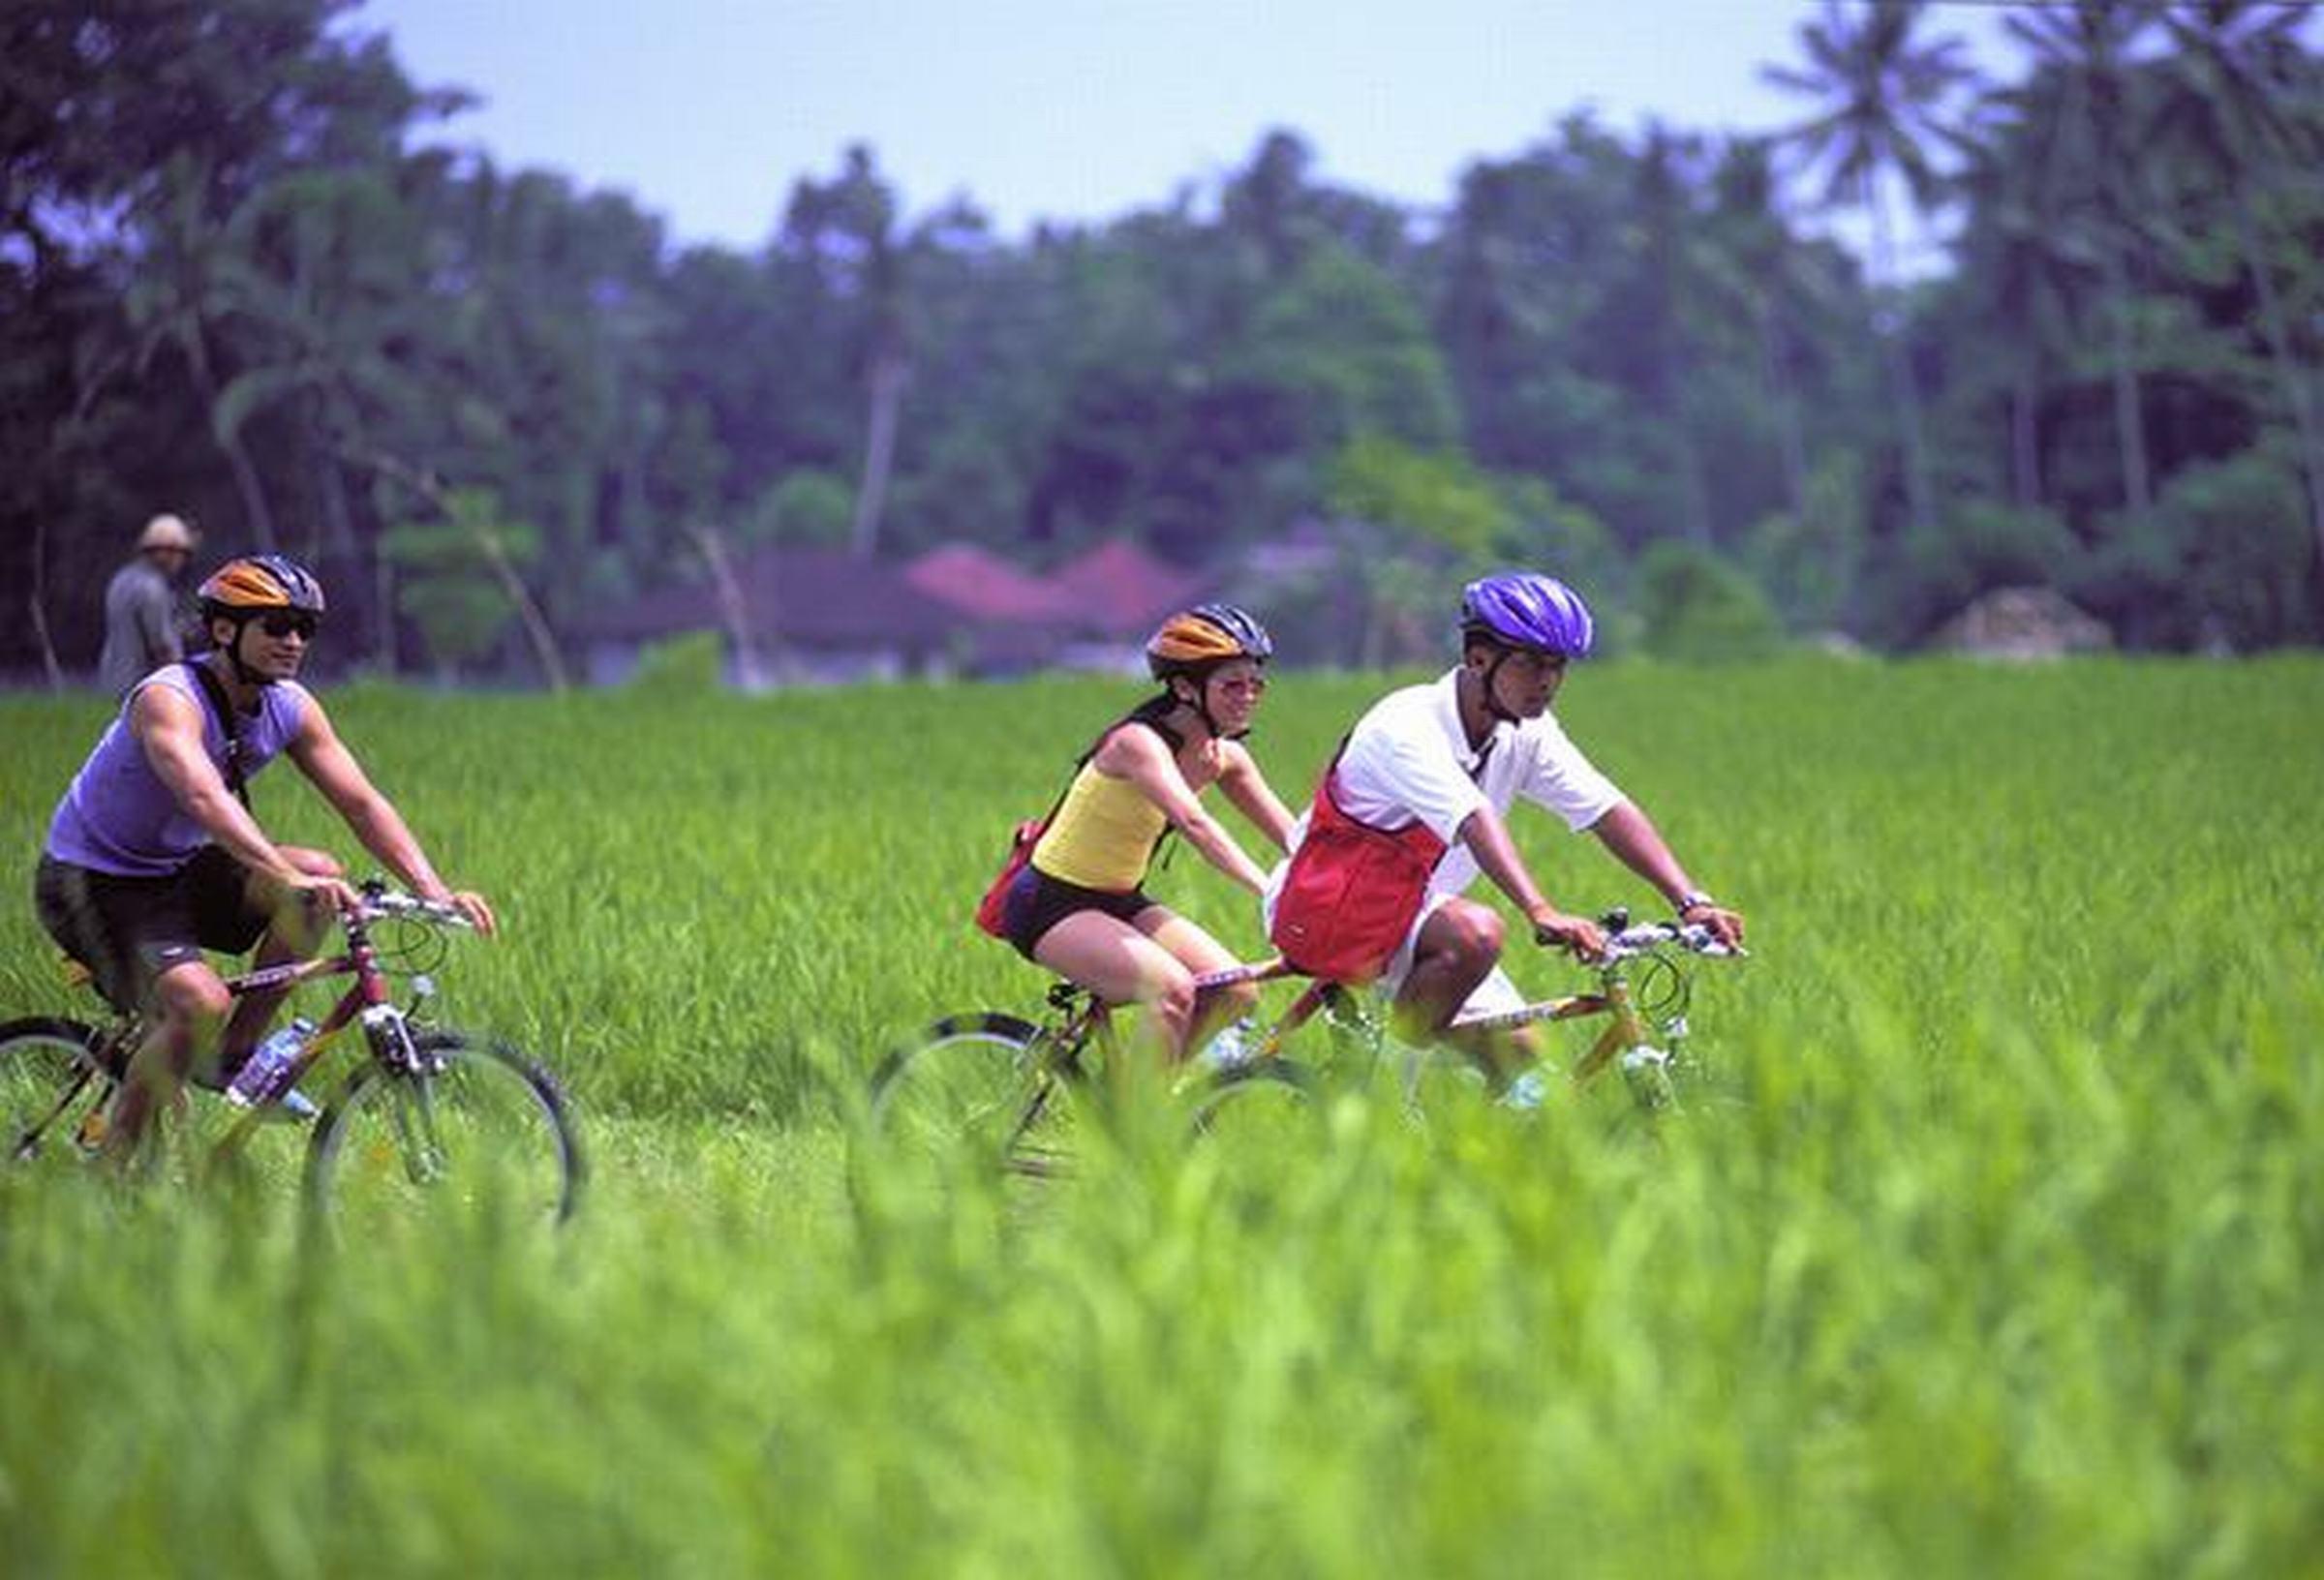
(141, 629)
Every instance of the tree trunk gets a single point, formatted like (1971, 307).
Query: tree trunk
(383, 594)
(1790, 433)
(2129, 414)
(528, 611)
(237, 456)
(1919, 506)
(734, 610)
(2025, 439)
(34, 600)
(889, 373)
(495, 559)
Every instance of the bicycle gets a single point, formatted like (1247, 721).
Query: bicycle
(429, 1118)
(1646, 1037)
(1004, 1085)
(999, 1084)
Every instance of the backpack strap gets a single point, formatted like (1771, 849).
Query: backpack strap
(228, 728)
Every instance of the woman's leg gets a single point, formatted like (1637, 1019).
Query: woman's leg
(1123, 965)
(1200, 953)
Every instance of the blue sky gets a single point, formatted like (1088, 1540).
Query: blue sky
(706, 111)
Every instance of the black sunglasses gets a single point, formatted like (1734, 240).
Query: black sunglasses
(282, 624)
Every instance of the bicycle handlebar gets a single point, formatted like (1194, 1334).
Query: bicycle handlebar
(1693, 936)
(380, 903)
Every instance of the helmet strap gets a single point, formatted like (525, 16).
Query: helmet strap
(1492, 699)
(233, 653)
(1200, 702)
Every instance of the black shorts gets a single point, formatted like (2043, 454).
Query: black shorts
(129, 930)
(1037, 903)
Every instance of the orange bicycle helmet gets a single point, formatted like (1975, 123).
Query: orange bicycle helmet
(255, 582)
(1193, 640)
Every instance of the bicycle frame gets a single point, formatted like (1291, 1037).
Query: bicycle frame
(1088, 1018)
(1626, 1033)
(370, 993)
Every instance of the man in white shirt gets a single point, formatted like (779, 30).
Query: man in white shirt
(1454, 755)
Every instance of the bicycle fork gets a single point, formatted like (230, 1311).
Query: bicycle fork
(1628, 1044)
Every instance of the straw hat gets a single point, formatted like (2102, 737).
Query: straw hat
(166, 533)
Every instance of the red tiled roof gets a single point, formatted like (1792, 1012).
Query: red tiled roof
(985, 586)
(1123, 588)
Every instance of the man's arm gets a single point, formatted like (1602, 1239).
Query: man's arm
(169, 725)
(324, 758)
(1487, 838)
(1632, 836)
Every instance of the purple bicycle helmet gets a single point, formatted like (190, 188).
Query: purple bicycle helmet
(1524, 609)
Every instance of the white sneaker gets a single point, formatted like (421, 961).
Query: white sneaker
(1231, 1048)
(1528, 1092)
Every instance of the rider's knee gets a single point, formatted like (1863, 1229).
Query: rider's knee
(195, 996)
(1472, 934)
(1174, 1001)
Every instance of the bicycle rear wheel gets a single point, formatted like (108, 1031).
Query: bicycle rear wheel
(977, 1086)
(1257, 1105)
(477, 1131)
(51, 1086)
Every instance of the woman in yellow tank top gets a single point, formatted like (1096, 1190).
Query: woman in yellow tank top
(1078, 907)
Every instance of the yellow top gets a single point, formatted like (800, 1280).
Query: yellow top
(1103, 834)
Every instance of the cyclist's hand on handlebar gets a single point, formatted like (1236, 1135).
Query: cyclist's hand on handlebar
(1724, 925)
(471, 904)
(1554, 929)
(326, 896)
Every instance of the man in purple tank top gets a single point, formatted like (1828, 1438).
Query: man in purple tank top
(153, 855)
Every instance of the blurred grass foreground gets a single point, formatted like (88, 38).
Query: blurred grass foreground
(2001, 1254)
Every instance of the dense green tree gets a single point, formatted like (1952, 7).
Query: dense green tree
(230, 287)
(2243, 104)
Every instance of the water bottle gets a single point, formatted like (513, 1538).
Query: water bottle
(266, 1074)
(1647, 1071)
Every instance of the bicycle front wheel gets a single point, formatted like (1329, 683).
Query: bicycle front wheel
(476, 1132)
(51, 1088)
(974, 1086)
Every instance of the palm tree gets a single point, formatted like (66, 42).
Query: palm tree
(2018, 263)
(2077, 117)
(1753, 263)
(1668, 278)
(846, 231)
(1887, 96)
(2236, 67)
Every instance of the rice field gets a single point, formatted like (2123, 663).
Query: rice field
(2004, 1257)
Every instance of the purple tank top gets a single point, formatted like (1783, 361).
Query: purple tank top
(119, 817)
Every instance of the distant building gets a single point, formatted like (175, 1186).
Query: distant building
(811, 615)
(792, 615)
(1014, 620)
(982, 586)
(1093, 612)
(1121, 590)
